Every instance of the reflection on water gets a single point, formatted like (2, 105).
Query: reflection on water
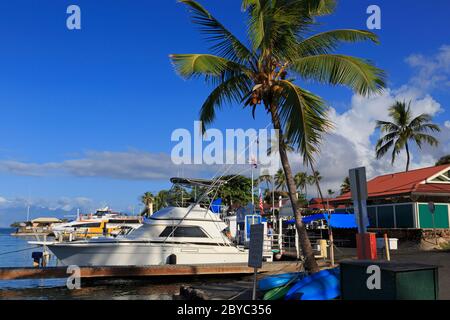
(99, 290)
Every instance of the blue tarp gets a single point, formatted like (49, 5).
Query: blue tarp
(215, 205)
(338, 220)
(343, 221)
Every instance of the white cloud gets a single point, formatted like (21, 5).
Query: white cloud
(351, 143)
(63, 203)
(431, 71)
(127, 165)
(15, 209)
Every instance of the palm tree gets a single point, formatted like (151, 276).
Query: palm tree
(301, 180)
(345, 185)
(148, 199)
(315, 177)
(161, 199)
(404, 128)
(330, 193)
(265, 178)
(261, 75)
(443, 160)
(280, 180)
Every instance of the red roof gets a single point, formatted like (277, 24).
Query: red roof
(316, 203)
(413, 181)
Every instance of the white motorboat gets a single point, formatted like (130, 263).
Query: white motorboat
(176, 234)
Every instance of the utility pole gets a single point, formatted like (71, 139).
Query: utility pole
(28, 213)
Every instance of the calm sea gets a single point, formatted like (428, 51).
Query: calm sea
(16, 252)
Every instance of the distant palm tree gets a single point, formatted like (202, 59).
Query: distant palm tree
(148, 200)
(265, 178)
(345, 185)
(404, 128)
(316, 176)
(280, 180)
(262, 75)
(443, 160)
(301, 180)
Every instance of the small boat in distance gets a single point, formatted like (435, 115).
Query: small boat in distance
(40, 226)
(184, 232)
(103, 222)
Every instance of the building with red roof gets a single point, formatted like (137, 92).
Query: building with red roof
(400, 200)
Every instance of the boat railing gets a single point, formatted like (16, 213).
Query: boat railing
(73, 235)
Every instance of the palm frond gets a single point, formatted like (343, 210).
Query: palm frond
(381, 149)
(401, 113)
(224, 42)
(210, 66)
(399, 144)
(305, 118)
(419, 138)
(420, 119)
(386, 138)
(427, 127)
(323, 43)
(247, 4)
(228, 91)
(386, 126)
(321, 7)
(355, 73)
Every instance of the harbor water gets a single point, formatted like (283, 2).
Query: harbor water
(16, 252)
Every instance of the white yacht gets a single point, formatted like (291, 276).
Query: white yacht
(181, 233)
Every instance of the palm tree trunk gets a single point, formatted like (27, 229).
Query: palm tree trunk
(330, 231)
(407, 156)
(305, 244)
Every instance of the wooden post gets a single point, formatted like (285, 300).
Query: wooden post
(386, 247)
(255, 272)
(331, 248)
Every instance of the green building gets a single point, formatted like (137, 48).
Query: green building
(400, 200)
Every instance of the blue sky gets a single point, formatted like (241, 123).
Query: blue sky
(109, 92)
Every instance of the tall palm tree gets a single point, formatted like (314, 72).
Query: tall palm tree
(280, 180)
(260, 75)
(345, 185)
(404, 128)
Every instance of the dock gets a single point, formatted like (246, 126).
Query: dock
(17, 273)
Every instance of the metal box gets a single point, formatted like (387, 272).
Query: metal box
(398, 281)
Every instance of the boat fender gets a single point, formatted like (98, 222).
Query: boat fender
(172, 259)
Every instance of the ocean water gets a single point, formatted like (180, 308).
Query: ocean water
(16, 252)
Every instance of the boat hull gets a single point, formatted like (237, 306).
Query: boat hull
(140, 254)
